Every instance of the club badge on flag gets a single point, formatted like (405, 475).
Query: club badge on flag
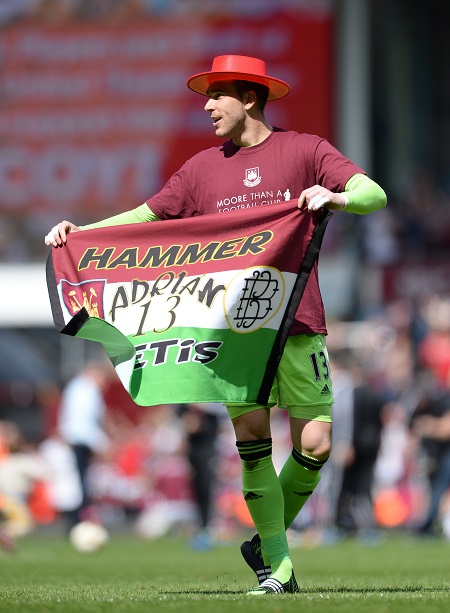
(85, 295)
(189, 310)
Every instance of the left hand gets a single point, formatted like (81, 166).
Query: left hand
(316, 197)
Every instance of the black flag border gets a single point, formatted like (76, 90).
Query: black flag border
(307, 264)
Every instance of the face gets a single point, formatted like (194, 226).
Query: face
(226, 109)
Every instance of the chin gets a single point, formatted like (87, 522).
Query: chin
(223, 134)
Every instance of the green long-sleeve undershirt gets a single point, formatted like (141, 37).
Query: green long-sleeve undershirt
(138, 215)
(364, 196)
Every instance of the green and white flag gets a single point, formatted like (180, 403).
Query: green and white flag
(189, 310)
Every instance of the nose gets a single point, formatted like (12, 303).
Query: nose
(209, 106)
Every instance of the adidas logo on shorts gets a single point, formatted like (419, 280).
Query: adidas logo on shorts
(326, 390)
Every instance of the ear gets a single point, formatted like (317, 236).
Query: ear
(249, 99)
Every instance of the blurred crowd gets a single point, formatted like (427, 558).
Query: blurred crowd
(174, 469)
(415, 225)
(113, 11)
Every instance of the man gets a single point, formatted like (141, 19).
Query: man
(260, 159)
(430, 424)
(354, 510)
(201, 425)
(82, 413)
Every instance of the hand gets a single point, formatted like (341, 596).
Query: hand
(317, 197)
(58, 234)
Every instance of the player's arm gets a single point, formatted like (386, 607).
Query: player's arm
(361, 195)
(58, 234)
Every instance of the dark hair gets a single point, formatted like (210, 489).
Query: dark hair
(261, 91)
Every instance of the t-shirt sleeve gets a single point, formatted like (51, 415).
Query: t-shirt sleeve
(171, 201)
(332, 168)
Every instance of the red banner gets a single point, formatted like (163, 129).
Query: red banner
(94, 118)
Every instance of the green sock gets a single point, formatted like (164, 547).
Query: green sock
(264, 497)
(298, 478)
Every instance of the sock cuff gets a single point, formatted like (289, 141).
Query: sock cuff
(307, 461)
(254, 450)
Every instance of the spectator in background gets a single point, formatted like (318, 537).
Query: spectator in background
(64, 485)
(395, 468)
(81, 423)
(355, 509)
(434, 347)
(20, 470)
(430, 423)
(201, 423)
(51, 11)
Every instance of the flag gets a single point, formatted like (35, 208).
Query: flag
(189, 310)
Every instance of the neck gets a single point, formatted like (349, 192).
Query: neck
(254, 135)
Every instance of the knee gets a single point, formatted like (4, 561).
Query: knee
(319, 451)
(314, 440)
(252, 426)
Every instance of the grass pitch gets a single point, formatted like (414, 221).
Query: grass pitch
(45, 575)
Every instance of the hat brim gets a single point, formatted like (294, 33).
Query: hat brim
(200, 83)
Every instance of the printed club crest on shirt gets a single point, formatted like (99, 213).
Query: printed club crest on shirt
(252, 177)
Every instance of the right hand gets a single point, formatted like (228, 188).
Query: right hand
(58, 234)
(316, 197)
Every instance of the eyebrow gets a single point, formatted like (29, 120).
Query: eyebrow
(214, 90)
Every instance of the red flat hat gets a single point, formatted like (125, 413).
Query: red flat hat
(238, 68)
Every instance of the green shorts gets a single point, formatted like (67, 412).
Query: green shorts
(302, 383)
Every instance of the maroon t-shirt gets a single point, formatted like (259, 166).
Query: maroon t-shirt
(231, 178)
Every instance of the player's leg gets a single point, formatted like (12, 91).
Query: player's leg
(305, 389)
(303, 386)
(263, 494)
(299, 477)
(300, 474)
